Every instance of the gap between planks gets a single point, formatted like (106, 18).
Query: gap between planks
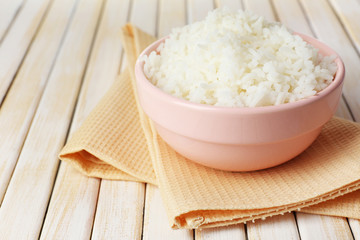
(18, 40)
(78, 189)
(8, 13)
(17, 111)
(27, 196)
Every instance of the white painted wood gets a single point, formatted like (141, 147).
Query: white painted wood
(17, 111)
(171, 14)
(290, 14)
(71, 209)
(328, 29)
(144, 15)
(355, 228)
(232, 4)
(343, 111)
(322, 227)
(276, 227)
(8, 10)
(119, 213)
(105, 59)
(156, 224)
(121, 204)
(26, 199)
(75, 196)
(285, 225)
(222, 233)
(260, 7)
(349, 13)
(72, 206)
(14, 46)
(198, 9)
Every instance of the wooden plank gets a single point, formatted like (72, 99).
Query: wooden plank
(260, 7)
(143, 15)
(8, 11)
(348, 11)
(327, 28)
(222, 233)
(286, 10)
(233, 231)
(198, 9)
(276, 227)
(72, 206)
(119, 212)
(280, 227)
(77, 189)
(291, 14)
(172, 15)
(232, 4)
(156, 223)
(17, 41)
(29, 191)
(17, 111)
(343, 111)
(322, 227)
(125, 213)
(355, 228)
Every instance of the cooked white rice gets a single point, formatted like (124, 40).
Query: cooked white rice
(238, 59)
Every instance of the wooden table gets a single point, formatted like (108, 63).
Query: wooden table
(59, 57)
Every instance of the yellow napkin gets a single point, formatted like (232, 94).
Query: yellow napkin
(118, 141)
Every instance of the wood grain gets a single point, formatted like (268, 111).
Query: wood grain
(134, 192)
(286, 225)
(122, 217)
(156, 223)
(29, 191)
(8, 11)
(260, 7)
(119, 213)
(291, 14)
(18, 110)
(73, 191)
(286, 10)
(46, 84)
(348, 11)
(17, 41)
(232, 4)
(276, 227)
(222, 233)
(355, 228)
(327, 28)
(198, 9)
(72, 206)
(322, 227)
(172, 14)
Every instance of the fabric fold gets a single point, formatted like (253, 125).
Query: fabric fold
(118, 141)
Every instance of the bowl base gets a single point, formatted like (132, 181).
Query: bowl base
(238, 158)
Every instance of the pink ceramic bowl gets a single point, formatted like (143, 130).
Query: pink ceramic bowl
(239, 139)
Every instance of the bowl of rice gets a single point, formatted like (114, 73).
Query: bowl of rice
(238, 93)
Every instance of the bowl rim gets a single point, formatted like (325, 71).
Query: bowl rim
(337, 81)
